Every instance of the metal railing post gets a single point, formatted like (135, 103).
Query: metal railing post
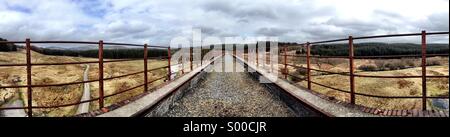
(285, 62)
(29, 89)
(424, 70)
(308, 64)
(351, 68)
(168, 62)
(145, 68)
(191, 57)
(201, 57)
(257, 55)
(100, 74)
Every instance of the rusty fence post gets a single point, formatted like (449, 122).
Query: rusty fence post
(29, 89)
(201, 56)
(191, 57)
(145, 68)
(100, 74)
(168, 62)
(285, 62)
(351, 68)
(424, 70)
(257, 55)
(308, 64)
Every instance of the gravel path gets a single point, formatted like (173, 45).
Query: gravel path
(14, 112)
(84, 108)
(229, 94)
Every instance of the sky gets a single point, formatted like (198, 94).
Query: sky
(158, 21)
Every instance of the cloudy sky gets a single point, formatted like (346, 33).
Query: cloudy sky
(158, 21)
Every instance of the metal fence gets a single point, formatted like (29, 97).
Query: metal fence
(352, 74)
(100, 79)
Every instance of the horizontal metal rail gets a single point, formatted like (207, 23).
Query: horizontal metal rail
(370, 57)
(129, 89)
(352, 74)
(81, 42)
(376, 96)
(299, 78)
(81, 82)
(84, 101)
(366, 76)
(100, 62)
(398, 56)
(77, 63)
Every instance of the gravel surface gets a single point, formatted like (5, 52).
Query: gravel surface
(229, 94)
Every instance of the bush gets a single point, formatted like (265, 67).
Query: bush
(301, 71)
(368, 68)
(409, 62)
(380, 64)
(295, 79)
(393, 64)
(435, 61)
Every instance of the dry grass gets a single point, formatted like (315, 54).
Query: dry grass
(385, 87)
(117, 85)
(51, 96)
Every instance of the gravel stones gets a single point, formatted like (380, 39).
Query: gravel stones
(229, 94)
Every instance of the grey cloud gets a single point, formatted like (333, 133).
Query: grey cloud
(272, 31)
(438, 22)
(159, 21)
(240, 11)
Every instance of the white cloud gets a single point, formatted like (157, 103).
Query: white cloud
(136, 21)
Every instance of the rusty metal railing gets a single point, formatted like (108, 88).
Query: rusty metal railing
(100, 79)
(352, 74)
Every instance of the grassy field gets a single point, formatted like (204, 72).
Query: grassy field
(50, 96)
(376, 86)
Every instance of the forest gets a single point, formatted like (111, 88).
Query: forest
(378, 49)
(119, 53)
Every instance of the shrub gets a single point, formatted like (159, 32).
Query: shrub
(301, 71)
(368, 68)
(409, 62)
(295, 79)
(393, 64)
(435, 61)
(380, 64)
(404, 84)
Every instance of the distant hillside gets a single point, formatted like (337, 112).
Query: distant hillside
(108, 52)
(373, 49)
(377, 49)
(7, 47)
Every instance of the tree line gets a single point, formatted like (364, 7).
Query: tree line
(377, 49)
(120, 53)
(7, 46)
